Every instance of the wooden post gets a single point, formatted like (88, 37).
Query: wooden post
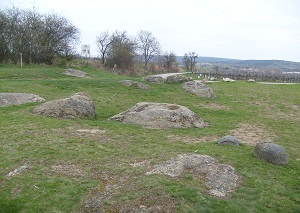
(21, 61)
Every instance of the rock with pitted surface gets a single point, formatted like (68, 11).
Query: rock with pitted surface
(79, 105)
(154, 79)
(9, 99)
(159, 115)
(177, 78)
(271, 152)
(199, 89)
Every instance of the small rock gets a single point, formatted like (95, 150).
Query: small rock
(130, 83)
(127, 83)
(228, 140)
(271, 152)
(19, 170)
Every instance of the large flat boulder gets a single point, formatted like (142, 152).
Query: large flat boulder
(220, 179)
(199, 89)
(9, 99)
(79, 105)
(159, 115)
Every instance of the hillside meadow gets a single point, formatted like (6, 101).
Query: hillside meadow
(70, 169)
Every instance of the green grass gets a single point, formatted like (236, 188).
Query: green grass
(91, 162)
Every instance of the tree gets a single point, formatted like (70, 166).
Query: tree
(39, 38)
(148, 46)
(189, 60)
(169, 58)
(104, 41)
(121, 52)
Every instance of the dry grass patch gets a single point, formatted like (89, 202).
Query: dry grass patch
(191, 140)
(67, 170)
(211, 106)
(250, 134)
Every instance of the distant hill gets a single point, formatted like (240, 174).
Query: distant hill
(275, 65)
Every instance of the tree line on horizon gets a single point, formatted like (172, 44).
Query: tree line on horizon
(37, 38)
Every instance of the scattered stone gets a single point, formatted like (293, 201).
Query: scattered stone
(199, 89)
(9, 99)
(154, 79)
(251, 80)
(130, 83)
(271, 152)
(75, 73)
(142, 86)
(159, 115)
(19, 170)
(220, 179)
(177, 78)
(228, 140)
(79, 105)
(228, 80)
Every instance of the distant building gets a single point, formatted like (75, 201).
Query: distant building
(85, 50)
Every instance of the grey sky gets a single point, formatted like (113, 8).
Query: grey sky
(241, 29)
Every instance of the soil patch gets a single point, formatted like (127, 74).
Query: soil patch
(211, 106)
(191, 140)
(67, 170)
(250, 134)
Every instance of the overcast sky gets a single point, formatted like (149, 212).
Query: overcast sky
(240, 29)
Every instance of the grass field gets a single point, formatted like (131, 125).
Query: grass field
(69, 169)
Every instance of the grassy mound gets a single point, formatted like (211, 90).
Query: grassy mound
(71, 161)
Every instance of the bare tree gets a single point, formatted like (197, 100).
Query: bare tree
(121, 52)
(104, 41)
(169, 58)
(148, 46)
(189, 60)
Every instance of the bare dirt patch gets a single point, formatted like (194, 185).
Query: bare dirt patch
(211, 106)
(116, 194)
(191, 140)
(250, 134)
(67, 170)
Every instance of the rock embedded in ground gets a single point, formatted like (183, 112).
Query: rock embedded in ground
(220, 179)
(159, 115)
(154, 79)
(177, 78)
(9, 99)
(79, 105)
(130, 83)
(19, 170)
(228, 140)
(199, 89)
(271, 152)
(75, 73)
